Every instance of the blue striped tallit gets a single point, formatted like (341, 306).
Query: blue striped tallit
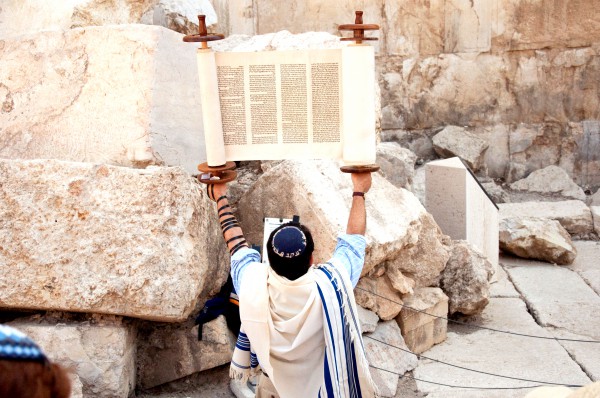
(346, 368)
(243, 362)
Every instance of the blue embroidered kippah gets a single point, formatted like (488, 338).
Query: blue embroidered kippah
(14, 345)
(289, 242)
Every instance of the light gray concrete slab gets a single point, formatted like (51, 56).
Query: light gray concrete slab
(587, 355)
(503, 287)
(498, 353)
(558, 297)
(587, 263)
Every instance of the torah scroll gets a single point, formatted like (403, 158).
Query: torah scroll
(272, 105)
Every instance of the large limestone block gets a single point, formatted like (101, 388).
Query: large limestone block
(466, 279)
(456, 141)
(471, 90)
(526, 25)
(100, 351)
(573, 215)
(105, 239)
(18, 17)
(125, 95)
(537, 238)
(170, 353)
(378, 295)
(414, 27)
(420, 265)
(321, 195)
(386, 350)
(550, 180)
(423, 319)
(468, 26)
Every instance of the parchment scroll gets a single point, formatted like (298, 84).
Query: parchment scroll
(307, 104)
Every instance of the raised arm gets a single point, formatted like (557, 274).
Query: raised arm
(357, 220)
(232, 232)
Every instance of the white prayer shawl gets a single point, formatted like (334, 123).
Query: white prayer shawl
(299, 328)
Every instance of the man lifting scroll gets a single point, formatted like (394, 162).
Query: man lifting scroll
(300, 318)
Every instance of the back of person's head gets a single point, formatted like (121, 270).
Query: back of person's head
(289, 249)
(26, 372)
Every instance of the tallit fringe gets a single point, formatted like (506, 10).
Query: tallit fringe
(236, 374)
(363, 362)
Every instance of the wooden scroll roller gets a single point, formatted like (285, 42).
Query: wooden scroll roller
(211, 174)
(358, 27)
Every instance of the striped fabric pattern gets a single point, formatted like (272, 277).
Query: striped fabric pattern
(346, 367)
(244, 362)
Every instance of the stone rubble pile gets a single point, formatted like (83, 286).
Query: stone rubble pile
(109, 247)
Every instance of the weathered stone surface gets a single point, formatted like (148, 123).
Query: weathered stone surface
(426, 95)
(568, 145)
(574, 215)
(550, 180)
(101, 352)
(76, 386)
(537, 238)
(418, 187)
(321, 196)
(586, 264)
(181, 15)
(466, 279)
(421, 319)
(596, 216)
(468, 26)
(496, 192)
(496, 158)
(18, 17)
(400, 282)
(378, 295)
(414, 27)
(503, 287)
(179, 352)
(574, 293)
(368, 319)
(490, 351)
(124, 95)
(421, 307)
(423, 262)
(595, 200)
(381, 352)
(545, 24)
(397, 164)
(106, 239)
(456, 141)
